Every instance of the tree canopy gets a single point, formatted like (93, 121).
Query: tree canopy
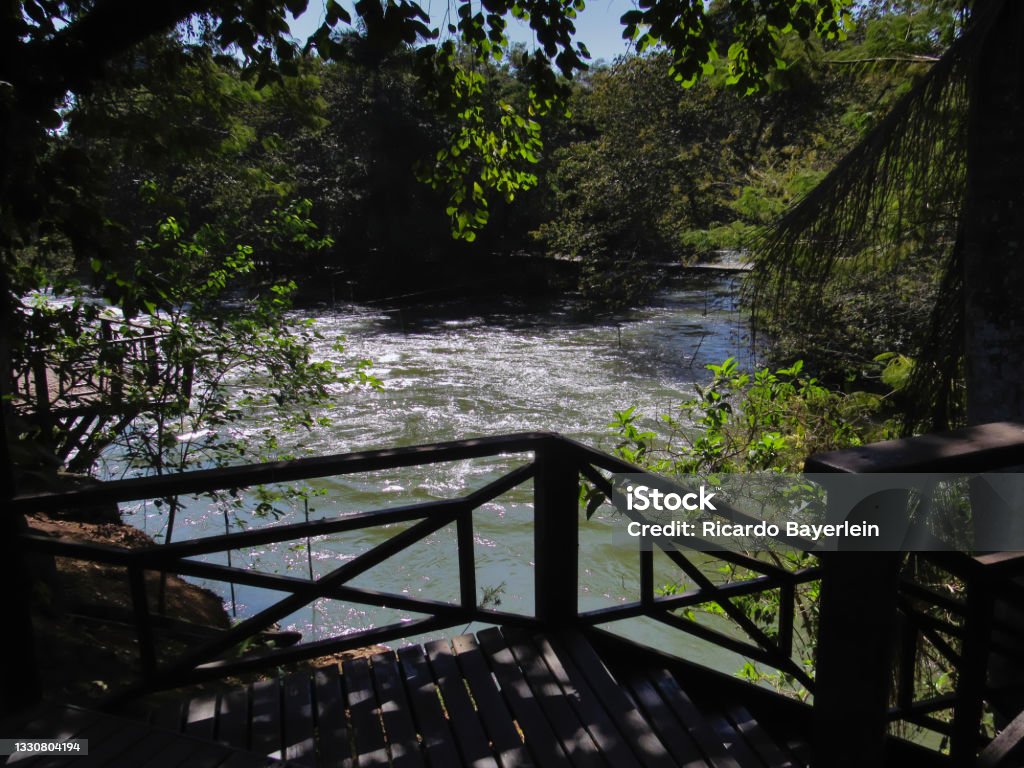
(209, 112)
(57, 51)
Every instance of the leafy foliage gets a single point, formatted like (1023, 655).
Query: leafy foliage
(210, 367)
(490, 150)
(768, 420)
(750, 32)
(63, 47)
(876, 243)
(741, 422)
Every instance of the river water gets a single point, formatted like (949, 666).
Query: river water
(457, 370)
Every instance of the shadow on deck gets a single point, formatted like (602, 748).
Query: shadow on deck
(507, 698)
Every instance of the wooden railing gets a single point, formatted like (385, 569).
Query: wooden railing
(873, 598)
(749, 640)
(556, 467)
(80, 392)
(868, 615)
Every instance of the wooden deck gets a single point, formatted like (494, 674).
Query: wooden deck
(116, 741)
(504, 698)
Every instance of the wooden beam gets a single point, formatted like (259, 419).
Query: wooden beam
(972, 449)
(203, 480)
(556, 534)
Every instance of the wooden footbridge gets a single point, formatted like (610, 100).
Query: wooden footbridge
(82, 383)
(555, 687)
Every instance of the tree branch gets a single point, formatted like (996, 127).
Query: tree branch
(73, 58)
(909, 59)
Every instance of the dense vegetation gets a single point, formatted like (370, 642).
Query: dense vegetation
(187, 182)
(642, 173)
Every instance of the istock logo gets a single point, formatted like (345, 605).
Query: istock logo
(640, 498)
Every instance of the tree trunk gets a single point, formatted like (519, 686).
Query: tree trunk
(19, 676)
(994, 223)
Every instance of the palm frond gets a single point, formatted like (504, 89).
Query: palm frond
(893, 200)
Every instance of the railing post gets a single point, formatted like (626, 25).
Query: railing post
(42, 390)
(467, 561)
(20, 685)
(974, 671)
(856, 631)
(556, 533)
(857, 638)
(143, 624)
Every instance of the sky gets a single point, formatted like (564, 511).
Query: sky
(597, 26)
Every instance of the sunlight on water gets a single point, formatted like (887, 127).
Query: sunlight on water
(454, 370)
(460, 370)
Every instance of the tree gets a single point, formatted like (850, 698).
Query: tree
(933, 180)
(55, 52)
(941, 172)
(652, 173)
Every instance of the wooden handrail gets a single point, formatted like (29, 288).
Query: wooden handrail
(971, 449)
(199, 662)
(223, 478)
(859, 591)
(555, 468)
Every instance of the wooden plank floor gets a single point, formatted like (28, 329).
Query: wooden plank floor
(119, 742)
(503, 699)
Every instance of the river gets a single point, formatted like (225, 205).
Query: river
(456, 370)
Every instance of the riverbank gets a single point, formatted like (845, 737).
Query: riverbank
(85, 642)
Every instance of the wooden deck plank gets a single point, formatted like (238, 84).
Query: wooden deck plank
(99, 732)
(201, 717)
(622, 710)
(365, 714)
(184, 752)
(508, 699)
(574, 737)
(665, 724)
(494, 713)
(59, 723)
(469, 731)
(265, 718)
(395, 713)
(540, 739)
(333, 745)
(155, 742)
(169, 716)
(123, 736)
(734, 742)
(438, 740)
(763, 744)
(800, 750)
(692, 719)
(617, 748)
(298, 745)
(120, 742)
(233, 719)
(245, 760)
